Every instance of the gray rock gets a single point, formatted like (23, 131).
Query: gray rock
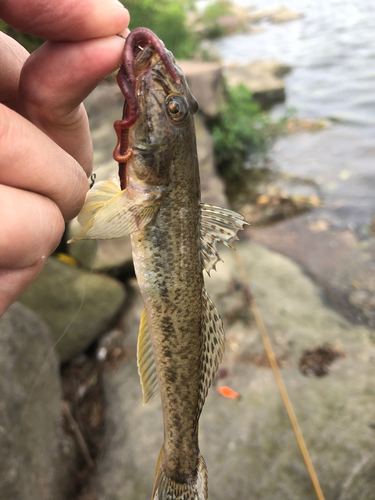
(35, 456)
(284, 15)
(212, 186)
(273, 15)
(360, 483)
(249, 447)
(77, 305)
(102, 255)
(262, 78)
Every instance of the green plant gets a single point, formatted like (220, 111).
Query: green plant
(216, 9)
(242, 132)
(214, 30)
(30, 42)
(168, 19)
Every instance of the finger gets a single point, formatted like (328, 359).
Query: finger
(13, 282)
(68, 20)
(55, 80)
(12, 57)
(32, 161)
(31, 228)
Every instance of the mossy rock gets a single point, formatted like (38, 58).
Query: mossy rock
(77, 305)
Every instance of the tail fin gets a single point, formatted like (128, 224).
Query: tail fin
(167, 489)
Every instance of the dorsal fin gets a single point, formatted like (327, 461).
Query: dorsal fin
(145, 361)
(217, 224)
(213, 346)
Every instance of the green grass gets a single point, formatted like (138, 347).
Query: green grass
(30, 42)
(168, 20)
(216, 9)
(242, 131)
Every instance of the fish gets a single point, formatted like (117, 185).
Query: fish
(174, 241)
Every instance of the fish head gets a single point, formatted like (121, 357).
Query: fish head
(166, 110)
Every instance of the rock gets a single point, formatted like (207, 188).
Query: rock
(77, 305)
(206, 82)
(229, 24)
(360, 483)
(234, 19)
(262, 78)
(273, 15)
(264, 196)
(212, 186)
(36, 458)
(284, 16)
(242, 441)
(101, 255)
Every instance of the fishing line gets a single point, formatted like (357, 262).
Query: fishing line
(52, 350)
(11, 48)
(276, 372)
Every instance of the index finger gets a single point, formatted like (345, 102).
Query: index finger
(66, 20)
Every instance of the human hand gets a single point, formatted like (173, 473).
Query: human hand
(45, 144)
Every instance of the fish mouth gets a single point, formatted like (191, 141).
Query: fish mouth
(143, 59)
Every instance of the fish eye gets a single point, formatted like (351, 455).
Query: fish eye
(177, 108)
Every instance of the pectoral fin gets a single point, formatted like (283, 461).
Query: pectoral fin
(217, 224)
(111, 213)
(146, 363)
(213, 346)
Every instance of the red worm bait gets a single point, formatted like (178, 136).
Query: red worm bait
(140, 37)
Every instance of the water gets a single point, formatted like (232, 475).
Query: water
(331, 50)
(332, 53)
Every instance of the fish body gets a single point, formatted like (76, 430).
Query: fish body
(174, 236)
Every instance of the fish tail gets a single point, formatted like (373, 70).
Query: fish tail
(165, 488)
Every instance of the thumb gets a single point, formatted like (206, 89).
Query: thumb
(54, 81)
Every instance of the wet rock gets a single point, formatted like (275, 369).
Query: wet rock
(262, 78)
(206, 82)
(35, 457)
(77, 305)
(334, 259)
(263, 195)
(243, 440)
(333, 244)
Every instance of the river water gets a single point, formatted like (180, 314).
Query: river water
(332, 53)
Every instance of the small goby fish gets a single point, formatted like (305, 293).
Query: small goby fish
(174, 238)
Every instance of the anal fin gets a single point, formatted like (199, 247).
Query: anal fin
(146, 362)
